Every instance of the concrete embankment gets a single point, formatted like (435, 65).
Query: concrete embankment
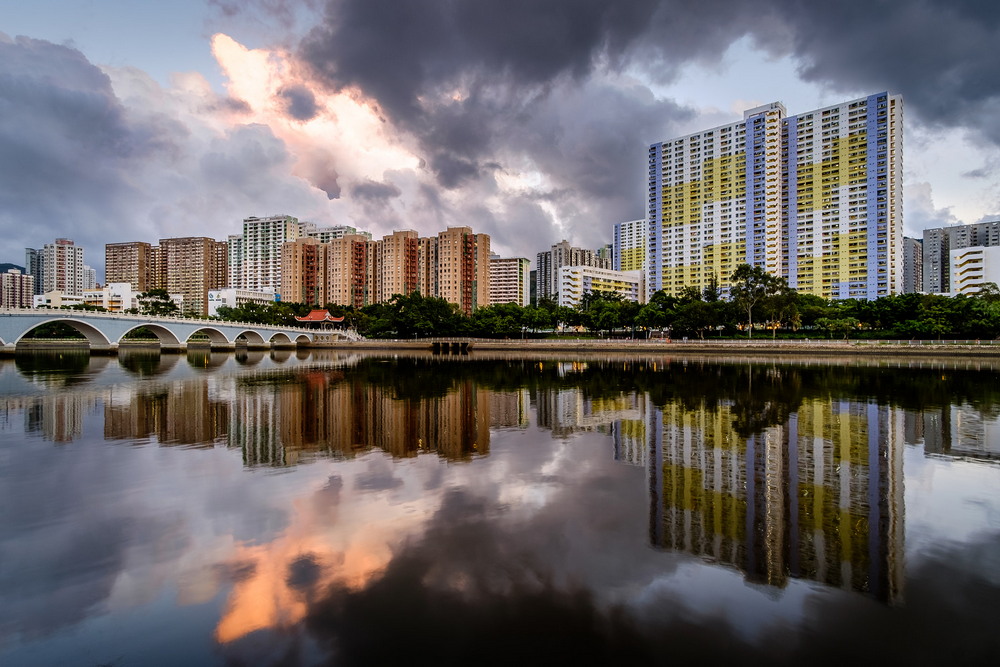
(697, 347)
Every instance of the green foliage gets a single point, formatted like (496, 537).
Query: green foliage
(751, 286)
(276, 313)
(156, 302)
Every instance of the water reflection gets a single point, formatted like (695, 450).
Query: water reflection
(818, 496)
(606, 501)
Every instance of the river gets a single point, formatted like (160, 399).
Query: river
(293, 508)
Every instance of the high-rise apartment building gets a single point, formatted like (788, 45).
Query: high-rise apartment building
(191, 267)
(63, 267)
(345, 262)
(327, 234)
(940, 241)
(17, 290)
(129, 262)
(562, 254)
(34, 266)
(510, 280)
(258, 251)
(300, 271)
(630, 246)
(815, 198)
(463, 268)
(235, 260)
(395, 264)
(913, 266)
(354, 270)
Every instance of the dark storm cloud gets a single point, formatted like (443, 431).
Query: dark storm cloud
(299, 101)
(65, 144)
(477, 81)
(941, 55)
(374, 192)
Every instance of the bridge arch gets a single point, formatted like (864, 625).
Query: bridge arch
(214, 335)
(252, 337)
(94, 336)
(163, 334)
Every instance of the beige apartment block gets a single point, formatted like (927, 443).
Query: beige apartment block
(345, 262)
(396, 268)
(191, 268)
(463, 268)
(300, 271)
(17, 290)
(130, 262)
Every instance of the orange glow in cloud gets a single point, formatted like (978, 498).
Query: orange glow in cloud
(346, 138)
(350, 549)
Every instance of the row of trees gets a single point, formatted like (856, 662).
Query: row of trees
(758, 302)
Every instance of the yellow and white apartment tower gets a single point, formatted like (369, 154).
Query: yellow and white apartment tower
(815, 198)
(630, 246)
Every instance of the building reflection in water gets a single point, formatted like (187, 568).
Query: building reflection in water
(819, 497)
(809, 488)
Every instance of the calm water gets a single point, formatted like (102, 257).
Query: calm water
(289, 508)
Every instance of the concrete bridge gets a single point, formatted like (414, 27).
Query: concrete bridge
(104, 331)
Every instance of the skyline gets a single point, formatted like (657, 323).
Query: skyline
(527, 121)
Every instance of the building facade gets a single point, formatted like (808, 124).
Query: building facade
(575, 281)
(815, 198)
(940, 241)
(17, 290)
(258, 251)
(191, 267)
(300, 271)
(113, 297)
(913, 266)
(62, 264)
(630, 246)
(463, 268)
(559, 255)
(130, 262)
(510, 280)
(971, 268)
(34, 266)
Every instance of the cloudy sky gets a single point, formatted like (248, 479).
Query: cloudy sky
(525, 119)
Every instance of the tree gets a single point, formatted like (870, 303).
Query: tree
(156, 302)
(751, 285)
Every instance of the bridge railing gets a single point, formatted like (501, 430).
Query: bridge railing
(59, 312)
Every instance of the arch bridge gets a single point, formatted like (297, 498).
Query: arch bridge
(104, 331)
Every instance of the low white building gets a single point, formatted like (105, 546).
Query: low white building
(233, 297)
(113, 297)
(973, 267)
(57, 299)
(575, 281)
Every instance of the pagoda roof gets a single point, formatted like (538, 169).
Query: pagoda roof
(319, 315)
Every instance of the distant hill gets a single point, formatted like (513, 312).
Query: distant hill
(6, 265)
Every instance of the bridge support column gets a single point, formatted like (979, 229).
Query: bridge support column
(173, 348)
(110, 350)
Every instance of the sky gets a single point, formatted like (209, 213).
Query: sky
(528, 120)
